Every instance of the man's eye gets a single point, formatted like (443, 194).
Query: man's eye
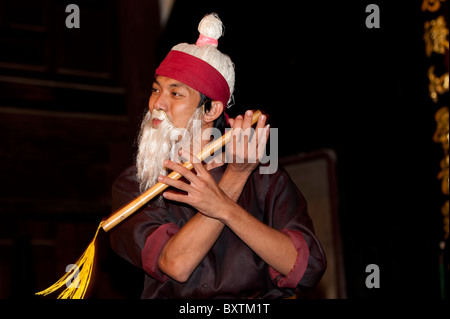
(176, 94)
(155, 91)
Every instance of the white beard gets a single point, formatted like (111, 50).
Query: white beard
(158, 144)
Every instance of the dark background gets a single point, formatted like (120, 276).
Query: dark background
(71, 101)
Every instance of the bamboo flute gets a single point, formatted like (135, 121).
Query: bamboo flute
(120, 215)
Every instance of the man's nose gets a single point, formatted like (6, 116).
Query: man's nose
(160, 103)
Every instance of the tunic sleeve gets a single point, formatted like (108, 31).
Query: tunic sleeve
(153, 248)
(287, 211)
(295, 275)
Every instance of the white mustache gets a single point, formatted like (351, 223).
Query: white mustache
(160, 115)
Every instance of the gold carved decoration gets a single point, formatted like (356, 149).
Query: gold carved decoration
(438, 84)
(436, 49)
(441, 136)
(435, 36)
(431, 5)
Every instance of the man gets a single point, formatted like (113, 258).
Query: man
(224, 230)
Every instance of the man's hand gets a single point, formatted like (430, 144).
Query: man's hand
(247, 146)
(201, 191)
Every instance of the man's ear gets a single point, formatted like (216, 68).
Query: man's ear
(214, 112)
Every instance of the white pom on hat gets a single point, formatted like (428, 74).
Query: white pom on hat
(211, 26)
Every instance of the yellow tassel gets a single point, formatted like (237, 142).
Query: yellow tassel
(78, 277)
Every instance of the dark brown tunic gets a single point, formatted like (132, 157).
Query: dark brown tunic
(230, 269)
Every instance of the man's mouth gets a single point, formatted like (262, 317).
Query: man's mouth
(158, 117)
(156, 123)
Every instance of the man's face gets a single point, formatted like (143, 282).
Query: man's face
(176, 99)
(160, 133)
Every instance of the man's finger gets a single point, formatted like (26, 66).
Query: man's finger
(174, 183)
(190, 176)
(247, 119)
